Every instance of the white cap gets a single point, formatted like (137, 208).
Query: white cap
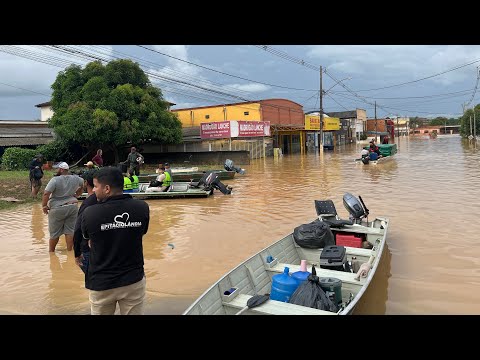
(62, 165)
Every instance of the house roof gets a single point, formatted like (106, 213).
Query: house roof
(44, 104)
(343, 114)
(18, 141)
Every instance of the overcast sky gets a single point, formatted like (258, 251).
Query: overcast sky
(411, 80)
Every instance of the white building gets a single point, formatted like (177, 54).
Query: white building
(46, 111)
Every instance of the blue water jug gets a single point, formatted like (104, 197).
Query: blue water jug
(283, 286)
(302, 275)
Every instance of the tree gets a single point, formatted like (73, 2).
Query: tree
(111, 105)
(465, 129)
(414, 123)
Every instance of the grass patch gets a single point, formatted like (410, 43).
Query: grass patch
(17, 185)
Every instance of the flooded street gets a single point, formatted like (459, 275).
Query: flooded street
(430, 192)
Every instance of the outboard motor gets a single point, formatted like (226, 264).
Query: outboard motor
(210, 181)
(355, 207)
(230, 167)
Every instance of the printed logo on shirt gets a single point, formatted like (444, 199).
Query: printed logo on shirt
(121, 222)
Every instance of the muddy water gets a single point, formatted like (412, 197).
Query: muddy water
(430, 192)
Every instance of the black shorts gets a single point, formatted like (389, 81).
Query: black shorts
(35, 182)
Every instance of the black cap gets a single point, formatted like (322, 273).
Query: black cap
(166, 164)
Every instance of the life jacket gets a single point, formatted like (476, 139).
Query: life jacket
(134, 180)
(168, 179)
(127, 184)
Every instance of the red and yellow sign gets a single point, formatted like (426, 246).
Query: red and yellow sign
(312, 122)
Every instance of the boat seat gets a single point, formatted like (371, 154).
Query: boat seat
(345, 277)
(327, 213)
(273, 307)
(326, 208)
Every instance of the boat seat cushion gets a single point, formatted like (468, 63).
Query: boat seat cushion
(334, 223)
(325, 207)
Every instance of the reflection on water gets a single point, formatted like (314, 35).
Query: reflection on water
(429, 191)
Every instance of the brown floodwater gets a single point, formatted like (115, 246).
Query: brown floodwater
(430, 192)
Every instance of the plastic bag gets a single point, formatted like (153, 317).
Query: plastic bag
(310, 294)
(315, 235)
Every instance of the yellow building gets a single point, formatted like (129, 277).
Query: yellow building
(246, 111)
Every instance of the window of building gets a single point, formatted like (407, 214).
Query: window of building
(207, 116)
(246, 113)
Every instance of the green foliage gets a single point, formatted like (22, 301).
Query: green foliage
(15, 158)
(52, 151)
(363, 136)
(465, 128)
(414, 122)
(111, 104)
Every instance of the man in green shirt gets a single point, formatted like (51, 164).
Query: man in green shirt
(134, 160)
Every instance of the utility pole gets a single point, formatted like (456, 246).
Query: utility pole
(321, 108)
(471, 131)
(474, 126)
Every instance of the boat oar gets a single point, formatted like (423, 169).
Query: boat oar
(254, 301)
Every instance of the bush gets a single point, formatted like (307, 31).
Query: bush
(363, 136)
(15, 158)
(52, 151)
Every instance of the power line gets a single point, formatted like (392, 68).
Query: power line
(224, 73)
(424, 78)
(16, 87)
(474, 90)
(410, 97)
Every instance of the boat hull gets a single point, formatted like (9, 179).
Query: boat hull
(254, 276)
(190, 176)
(183, 190)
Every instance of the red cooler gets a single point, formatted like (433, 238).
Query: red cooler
(350, 240)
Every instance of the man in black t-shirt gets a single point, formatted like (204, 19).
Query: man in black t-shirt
(114, 229)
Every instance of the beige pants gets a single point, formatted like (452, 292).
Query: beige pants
(130, 300)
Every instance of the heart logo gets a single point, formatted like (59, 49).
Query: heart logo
(122, 219)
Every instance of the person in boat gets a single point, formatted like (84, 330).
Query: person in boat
(162, 183)
(157, 170)
(374, 152)
(385, 140)
(134, 179)
(134, 160)
(374, 148)
(168, 169)
(127, 183)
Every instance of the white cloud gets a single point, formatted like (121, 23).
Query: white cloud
(24, 73)
(180, 52)
(252, 87)
(390, 64)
